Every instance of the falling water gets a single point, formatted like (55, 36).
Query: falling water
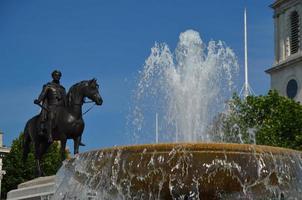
(187, 88)
(182, 171)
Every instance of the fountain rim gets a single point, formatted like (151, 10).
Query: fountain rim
(198, 147)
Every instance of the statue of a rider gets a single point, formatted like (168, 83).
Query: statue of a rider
(52, 96)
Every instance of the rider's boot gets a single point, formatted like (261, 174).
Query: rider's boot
(49, 136)
(82, 144)
(41, 129)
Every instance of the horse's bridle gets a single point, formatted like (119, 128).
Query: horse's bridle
(79, 104)
(88, 108)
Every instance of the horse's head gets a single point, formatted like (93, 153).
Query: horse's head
(79, 91)
(91, 91)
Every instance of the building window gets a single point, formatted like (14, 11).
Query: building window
(292, 88)
(294, 32)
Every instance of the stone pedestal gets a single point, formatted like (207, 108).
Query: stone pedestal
(41, 188)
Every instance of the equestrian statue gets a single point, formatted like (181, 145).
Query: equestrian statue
(60, 117)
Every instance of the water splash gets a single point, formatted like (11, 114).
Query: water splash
(187, 88)
(182, 171)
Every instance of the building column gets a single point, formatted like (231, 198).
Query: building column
(2, 173)
(277, 38)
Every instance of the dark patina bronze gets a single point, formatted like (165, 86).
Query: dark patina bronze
(52, 96)
(60, 117)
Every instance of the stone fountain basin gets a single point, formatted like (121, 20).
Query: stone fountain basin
(182, 171)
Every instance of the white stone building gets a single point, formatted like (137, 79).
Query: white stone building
(286, 72)
(3, 151)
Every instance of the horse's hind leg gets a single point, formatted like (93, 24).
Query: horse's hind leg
(38, 160)
(26, 143)
(40, 150)
(43, 149)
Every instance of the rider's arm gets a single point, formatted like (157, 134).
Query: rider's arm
(43, 93)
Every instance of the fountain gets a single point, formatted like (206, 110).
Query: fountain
(187, 89)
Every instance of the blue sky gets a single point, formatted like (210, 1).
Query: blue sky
(110, 40)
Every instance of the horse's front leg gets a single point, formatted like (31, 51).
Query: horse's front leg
(76, 145)
(63, 146)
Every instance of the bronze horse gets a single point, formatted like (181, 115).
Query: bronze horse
(69, 122)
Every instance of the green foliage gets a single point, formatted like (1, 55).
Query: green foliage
(275, 120)
(18, 171)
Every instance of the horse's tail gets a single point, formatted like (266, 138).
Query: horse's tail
(29, 128)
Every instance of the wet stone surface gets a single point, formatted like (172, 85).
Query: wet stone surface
(182, 171)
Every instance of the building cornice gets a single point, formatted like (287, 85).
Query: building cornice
(285, 63)
(281, 5)
(4, 149)
(278, 3)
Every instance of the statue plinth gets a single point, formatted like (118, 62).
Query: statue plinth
(42, 188)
